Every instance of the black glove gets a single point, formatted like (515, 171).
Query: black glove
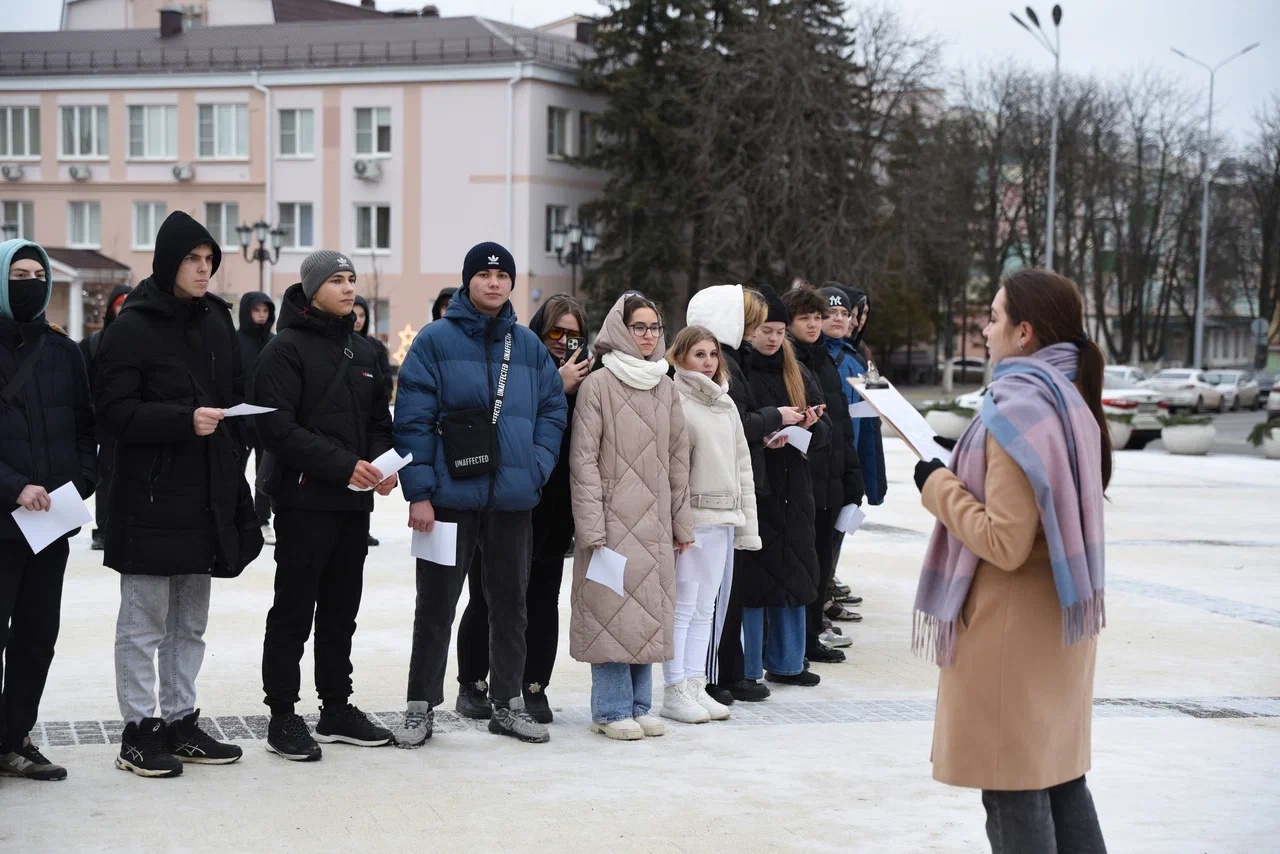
(949, 444)
(924, 469)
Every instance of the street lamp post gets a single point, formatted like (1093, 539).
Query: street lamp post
(1056, 49)
(581, 246)
(261, 231)
(1198, 352)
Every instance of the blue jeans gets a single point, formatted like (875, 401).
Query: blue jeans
(784, 652)
(620, 691)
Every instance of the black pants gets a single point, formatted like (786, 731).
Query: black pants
(541, 635)
(30, 608)
(102, 495)
(320, 574)
(261, 503)
(501, 540)
(725, 664)
(824, 530)
(1059, 819)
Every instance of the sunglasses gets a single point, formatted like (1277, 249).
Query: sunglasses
(555, 333)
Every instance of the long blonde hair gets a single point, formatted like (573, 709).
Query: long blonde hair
(754, 312)
(791, 375)
(689, 338)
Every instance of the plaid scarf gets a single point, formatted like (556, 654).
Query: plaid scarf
(1038, 417)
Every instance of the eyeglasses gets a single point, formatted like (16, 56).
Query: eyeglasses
(555, 333)
(640, 330)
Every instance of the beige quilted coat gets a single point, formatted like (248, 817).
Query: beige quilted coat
(629, 475)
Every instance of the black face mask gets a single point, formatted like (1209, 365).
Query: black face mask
(26, 298)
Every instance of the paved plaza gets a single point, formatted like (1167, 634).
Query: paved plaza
(1186, 730)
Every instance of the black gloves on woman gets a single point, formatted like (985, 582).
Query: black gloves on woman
(924, 469)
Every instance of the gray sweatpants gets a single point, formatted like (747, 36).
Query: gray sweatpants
(166, 616)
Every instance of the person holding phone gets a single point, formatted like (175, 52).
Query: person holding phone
(561, 324)
(781, 579)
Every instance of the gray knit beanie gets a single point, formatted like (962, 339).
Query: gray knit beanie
(319, 266)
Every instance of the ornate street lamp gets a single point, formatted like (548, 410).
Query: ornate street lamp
(261, 232)
(581, 245)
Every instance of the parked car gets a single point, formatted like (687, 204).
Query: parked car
(1125, 392)
(1185, 389)
(1265, 382)
(1239, 390)
(967, 369)
(972, 400)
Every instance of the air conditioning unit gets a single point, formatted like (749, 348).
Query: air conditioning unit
(183, 172)
(79, 172)
(12, 171)
(368, 170)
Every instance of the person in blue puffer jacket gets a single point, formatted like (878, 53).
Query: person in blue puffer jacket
(455, 370)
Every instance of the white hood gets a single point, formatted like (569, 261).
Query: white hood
(719, 309)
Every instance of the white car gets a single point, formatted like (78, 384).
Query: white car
(1238, 388)
(1124, 392)
(1183, 388)
(972, 400)
(966, 369)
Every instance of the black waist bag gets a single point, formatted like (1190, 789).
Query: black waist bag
(470, 437)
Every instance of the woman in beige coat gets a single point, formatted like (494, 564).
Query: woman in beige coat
(629, 475)
(1010, 600)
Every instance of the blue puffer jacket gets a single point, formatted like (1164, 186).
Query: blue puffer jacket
(866, 431)
(445, 372)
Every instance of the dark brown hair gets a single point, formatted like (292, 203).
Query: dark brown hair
(557, 307)
(804, 300)
(1051, 304)
(634, 303)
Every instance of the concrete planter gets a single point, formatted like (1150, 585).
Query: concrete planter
(1120, 432)
(1271, 445)
(1189, 439)
(948, 425)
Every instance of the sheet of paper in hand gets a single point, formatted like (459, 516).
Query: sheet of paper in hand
(904, 418)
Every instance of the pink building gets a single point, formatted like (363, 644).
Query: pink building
(401, 141)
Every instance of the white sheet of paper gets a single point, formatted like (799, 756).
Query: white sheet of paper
(850, 518)
(440, 546)
(607, 567)
(67, 511)
(389, 463)
(862, 409)
(798, 437)
(904, 418)
(246, 409)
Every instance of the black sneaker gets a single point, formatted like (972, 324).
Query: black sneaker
(749, 691)
(143, 751)
(514, 721)
(189, 743)
(371, 540)
(288, 736)
(27, 761)
(720, 694)
(849, 600)
(824, 655)
(349, 725)
(97, 544)
(805, 679)
(537, 704)
(473, 700)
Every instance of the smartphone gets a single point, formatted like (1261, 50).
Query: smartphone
(573, 346)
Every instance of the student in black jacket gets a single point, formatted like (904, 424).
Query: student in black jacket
(257, 319)
(325, 430)
(106, 445)
(46, 440)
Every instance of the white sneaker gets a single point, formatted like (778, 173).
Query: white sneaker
(651, 726)
(696, 688)
(679, 706)
(624, 730)
(835, 641)
(268, 535)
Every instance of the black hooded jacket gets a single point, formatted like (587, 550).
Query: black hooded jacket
(254, 336)
(181, 501)
(836, 473)
(353, 423)
(757, 421)
(441, 303)
(89, 346)
(384, 359)
(553, 516)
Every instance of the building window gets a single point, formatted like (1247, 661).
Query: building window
(84, 225)
(223, 131)
(21, 214)
(84, 132)
(147, 217)
(381, 317)
(373, 226)
(153, 133)
(296, 220)
(221, 218)
(373, 130)
(297, 133)
(557, 132)
(19, 132)
(588, 134)
(557, 217)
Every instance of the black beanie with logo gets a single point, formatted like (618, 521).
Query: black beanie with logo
(488, 256)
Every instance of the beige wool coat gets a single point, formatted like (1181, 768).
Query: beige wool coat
(629, 476)
(1015, 711)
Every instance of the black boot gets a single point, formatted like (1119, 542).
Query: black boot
(749, 691)
(720, 694)
(473, 700)
(537, 704)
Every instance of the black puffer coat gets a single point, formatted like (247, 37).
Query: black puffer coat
(553, 515)
(89, 346)
(758, 421)
(294, 372)
(254, 336)
(784, 573)
(384, 359)
(837, 476)
(180, 504)
(46, 433)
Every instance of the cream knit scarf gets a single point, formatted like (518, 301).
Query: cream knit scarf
(634, 372)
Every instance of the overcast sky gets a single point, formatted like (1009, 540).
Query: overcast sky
(1103, 37)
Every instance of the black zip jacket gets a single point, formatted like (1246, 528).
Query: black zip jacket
(384, 359)
(836, 472)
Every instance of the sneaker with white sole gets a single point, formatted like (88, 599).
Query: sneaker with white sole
(623, 730)
(189, 743)
(289, 737)
(677, 705)
(835, 641)
(143, 750)
(419, 720)
(651, 727)
(348, 725)
(268, 535)
(696, 688)
(512, 719)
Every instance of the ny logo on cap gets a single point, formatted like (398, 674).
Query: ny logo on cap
(834, 301)
(493, 259)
